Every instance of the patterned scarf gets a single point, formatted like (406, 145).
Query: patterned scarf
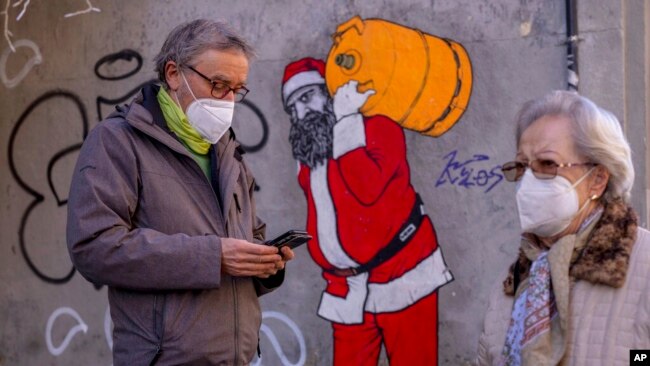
(539, 321)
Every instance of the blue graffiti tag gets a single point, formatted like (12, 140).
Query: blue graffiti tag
(461, 174)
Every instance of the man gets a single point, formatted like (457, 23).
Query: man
(161, 211)
(377, 247)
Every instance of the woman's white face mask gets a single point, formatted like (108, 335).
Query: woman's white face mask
(547, 206)
(210, 117)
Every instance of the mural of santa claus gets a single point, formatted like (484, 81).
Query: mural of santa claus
(372, 237)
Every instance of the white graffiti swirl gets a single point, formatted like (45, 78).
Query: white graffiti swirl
(274, 340)
(85, 11)
(22, 12)
(7, 32)
(35, 59)
(107, 328)
(80, 327)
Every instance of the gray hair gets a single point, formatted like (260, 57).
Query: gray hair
(597, 135)
(188, 40)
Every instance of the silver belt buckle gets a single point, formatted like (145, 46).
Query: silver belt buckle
(410, 229)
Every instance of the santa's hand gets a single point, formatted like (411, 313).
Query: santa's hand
(347, 100)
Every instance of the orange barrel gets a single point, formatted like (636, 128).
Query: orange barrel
(422, 82)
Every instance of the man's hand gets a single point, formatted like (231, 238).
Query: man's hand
(243, 258)
(347, 100)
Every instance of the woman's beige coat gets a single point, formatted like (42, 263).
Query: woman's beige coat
(605, 324)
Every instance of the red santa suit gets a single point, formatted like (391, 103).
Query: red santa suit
(357, 203)
(360, 202)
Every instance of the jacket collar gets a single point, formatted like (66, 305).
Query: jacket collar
(145, 115)
(604, 259)
(150, 103)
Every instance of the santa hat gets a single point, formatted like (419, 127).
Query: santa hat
(306, 71)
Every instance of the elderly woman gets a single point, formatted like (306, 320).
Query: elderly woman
(578, 292)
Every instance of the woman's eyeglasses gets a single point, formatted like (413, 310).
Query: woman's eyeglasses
(542, 169)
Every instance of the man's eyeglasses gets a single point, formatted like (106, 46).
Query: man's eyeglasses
(542, 169)
(221, 89)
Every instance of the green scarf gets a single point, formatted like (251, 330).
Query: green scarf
(178, 123)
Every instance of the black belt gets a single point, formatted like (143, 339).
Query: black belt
(399, 241)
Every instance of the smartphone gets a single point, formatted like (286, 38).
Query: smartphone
(292, 239)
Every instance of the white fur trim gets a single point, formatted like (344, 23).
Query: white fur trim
(425, 278)
(327, 230)
(347, 310)
(400, 293)
(349, 134)
(299, 80)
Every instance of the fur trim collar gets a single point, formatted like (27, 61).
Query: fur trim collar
(603, 260)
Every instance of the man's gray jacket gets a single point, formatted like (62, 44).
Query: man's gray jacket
(144, 220)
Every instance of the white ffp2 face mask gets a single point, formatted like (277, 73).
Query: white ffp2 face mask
(547, 206)
(211, 118)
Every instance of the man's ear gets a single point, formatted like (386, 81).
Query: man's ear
(172, 75)
(599, 181)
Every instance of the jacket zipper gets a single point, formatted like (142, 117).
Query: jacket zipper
(234, 288)
(183, 151)
(159, 327)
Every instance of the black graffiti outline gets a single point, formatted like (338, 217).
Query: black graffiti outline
(103, 100)
(265, 128)
(126, 55)
(248, 148)
(38, 197)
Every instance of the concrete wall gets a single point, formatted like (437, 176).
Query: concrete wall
(49, 100)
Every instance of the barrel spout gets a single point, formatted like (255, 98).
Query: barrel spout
(345, 61)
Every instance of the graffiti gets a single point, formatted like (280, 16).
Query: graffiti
(130, 55)
(5, 12)
(58, 197)
(22, 12)
(38, 197)
(89, 9)
(112, 102)
(422, 82)
(7, 32)
(79, 327)
(466, 174)
(25, 3)
(259, 117)
(107, 328)
(35, 59)
(124, 55)
(50, 194)
(266, 330)
(348, 115)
